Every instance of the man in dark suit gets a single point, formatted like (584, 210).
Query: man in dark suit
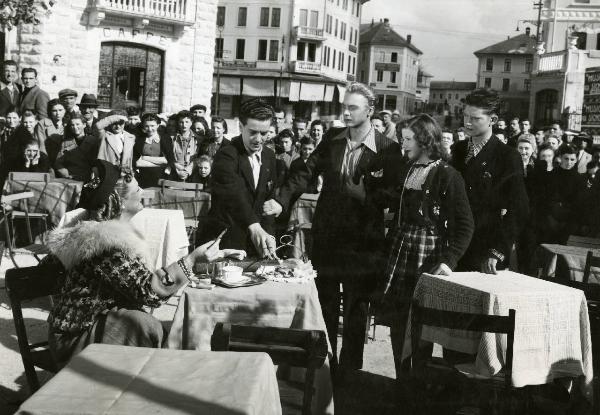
(10, 92)
(493, 174)
(243, 177)
(348, 225)
(33, 97)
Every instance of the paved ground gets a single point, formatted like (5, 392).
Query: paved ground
(368, 389)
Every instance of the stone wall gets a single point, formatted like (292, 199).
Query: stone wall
(65, 49)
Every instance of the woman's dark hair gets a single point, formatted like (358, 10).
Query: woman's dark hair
(428, 135)
(150, 116)
(286, 133)
(485, 98)
(53, 103)
(220, 120)
(111, 210)
(202, 121)
(257, 109)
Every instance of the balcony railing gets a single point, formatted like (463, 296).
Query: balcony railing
(238, 64)
(306, 32)
(174, 10)
(352, 48)
(307, 67)
(350, 77)
(552, 62)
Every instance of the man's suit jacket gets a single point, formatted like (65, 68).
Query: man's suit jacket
(582, 162)
(6, 104)
(348, 234)
(108, 149)
(35, 100)
(495, 185)
(235, 202)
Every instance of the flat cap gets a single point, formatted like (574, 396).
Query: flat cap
(67, 93)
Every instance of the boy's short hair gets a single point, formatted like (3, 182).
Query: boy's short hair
(307, 141)
(27, 113)
(317, 122)
(133, 111)
(184, 114)
(255, 108)
(566, 149)
(376, 117)
(149, 116)
(485, 98)
(198, 107)
(204, 159)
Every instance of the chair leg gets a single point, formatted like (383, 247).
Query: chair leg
(309, 381)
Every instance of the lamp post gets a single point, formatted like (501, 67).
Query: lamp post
(278, 100)
(219, 53)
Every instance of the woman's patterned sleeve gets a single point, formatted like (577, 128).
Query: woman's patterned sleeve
(128, 276)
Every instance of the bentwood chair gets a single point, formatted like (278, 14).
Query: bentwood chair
(423, 316)
(24, 285)
(293, 347)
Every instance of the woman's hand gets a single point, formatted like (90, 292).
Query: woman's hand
(210, 252)
(441, 269)
(234, 254)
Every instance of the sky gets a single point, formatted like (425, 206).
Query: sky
(449, 31)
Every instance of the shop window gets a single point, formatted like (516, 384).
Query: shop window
(390, 102)
(130, 76)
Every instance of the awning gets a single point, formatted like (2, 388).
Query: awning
(342, 92)
(329, 90)
(258, 87)
(229, 86)
(294, 91)
(283, 88)
(312, 92)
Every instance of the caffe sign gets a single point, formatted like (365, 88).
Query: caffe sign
(125, 34)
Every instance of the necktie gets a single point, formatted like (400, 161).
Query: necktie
(255, 163)
(470, 152)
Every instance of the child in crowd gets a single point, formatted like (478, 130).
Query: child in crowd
(433, 225)
(202, 170)
(185, 147)
(32, 160)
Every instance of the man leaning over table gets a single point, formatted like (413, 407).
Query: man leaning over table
(244, 175)
(348, 225)
(493, 175)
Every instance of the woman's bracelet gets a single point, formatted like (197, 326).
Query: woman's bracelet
(166, 279)
(186, 271)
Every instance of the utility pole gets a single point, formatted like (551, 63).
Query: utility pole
(219, 53)
(538, 6)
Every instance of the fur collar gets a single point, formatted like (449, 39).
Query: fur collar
(87, 239)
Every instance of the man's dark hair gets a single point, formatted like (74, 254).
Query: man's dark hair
(307, 140)
(317, 122)
(257, 109)
(299, 120)
(25, 70)
(485, 98)
(184, 114)
(220, 120)
(278, 109)
(10, 62)
(500, 119)
(557, 123)
(150, 116)
(515, 118)
(496, 131)
(566, 149)
(522, 121)
(131, 111)
(376, 117)
(52, 103)
(198, 107)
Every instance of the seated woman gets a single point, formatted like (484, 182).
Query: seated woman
(32, 160)
(107, 271)
(152, 153)
(77, 152)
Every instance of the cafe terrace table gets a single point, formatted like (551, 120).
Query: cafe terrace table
(565, 262)
(552, 329)
(54, 197)
(302, 213)
(109, 380)
(288, 305)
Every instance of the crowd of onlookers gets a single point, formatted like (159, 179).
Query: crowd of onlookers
(64, 135)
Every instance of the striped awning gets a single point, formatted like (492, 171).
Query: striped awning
(312, 92)
(228, 86)
(258, 87)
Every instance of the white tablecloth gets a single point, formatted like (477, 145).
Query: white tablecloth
(552, 333)
(164, 231)
(105, 379)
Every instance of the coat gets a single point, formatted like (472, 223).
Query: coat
(348, 234)
(108, 152)
(36, 100)
(235, 202)
(498, 198)
(582, 161)
(6, 104)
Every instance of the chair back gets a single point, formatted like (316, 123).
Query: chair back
(583, 242)
(482, 323)
(590, 261)
(148, 196)
(24, 284)
(294, 347)
(29, 177)
(171, 184)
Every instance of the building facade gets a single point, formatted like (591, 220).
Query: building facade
(389, 64)
(569, 44)
(506, 67)
(423, 91)
(298, 54)
(153, 54)
(449, 96)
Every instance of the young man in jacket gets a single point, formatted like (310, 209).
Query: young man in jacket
(33, 97)
(348, 227)
(493, 174)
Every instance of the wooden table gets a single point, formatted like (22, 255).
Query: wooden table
(552, 329)
(109, 380)
(288, 305)
(565, 262)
